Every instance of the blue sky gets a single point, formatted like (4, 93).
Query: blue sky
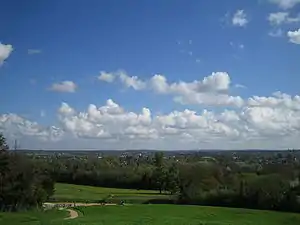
(252, 46)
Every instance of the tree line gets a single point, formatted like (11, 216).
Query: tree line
(221, 182)
(29, 181)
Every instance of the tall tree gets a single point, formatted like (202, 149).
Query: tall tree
(3, 144)
(22, 184)
(159, 172)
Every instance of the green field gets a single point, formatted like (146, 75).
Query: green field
(80, 193)
(141, 214)
(33, 218)
(155, 215)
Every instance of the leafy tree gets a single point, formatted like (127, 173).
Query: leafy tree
(159, 173)
(3, 144)
(23, 184)
(172, 179)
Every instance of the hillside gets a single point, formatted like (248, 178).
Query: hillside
(80, 193)
(154, 215)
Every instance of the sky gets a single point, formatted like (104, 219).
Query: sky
(141, 74)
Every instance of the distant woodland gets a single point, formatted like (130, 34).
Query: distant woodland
(253, 181)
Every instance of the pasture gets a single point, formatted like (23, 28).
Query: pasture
(80, 193)
(154, 215)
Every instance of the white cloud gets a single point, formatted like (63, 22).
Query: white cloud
(108, 77)
(211, 90)
(263, 122)
(278, 100)
(64, 86)
(66, 110)
(128, 81)
(279, 18)
(14, 126)
(109, 121)
(240, 18)
(113, 122)
(294, 36)
(5, 51)
(34, 51)
(207, 91)
(285, 4)
(132, 82)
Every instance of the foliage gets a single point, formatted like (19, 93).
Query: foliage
(248, 180)
(219, 181)
(22, 184)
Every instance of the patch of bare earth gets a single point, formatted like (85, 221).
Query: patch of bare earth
(73, 214)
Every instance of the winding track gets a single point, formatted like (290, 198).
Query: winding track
(73, 214)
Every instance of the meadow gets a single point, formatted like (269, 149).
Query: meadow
(154, 215)
(140, 214)
(33, 217)
(80, 193)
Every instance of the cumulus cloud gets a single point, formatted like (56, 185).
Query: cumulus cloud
(133, 81)
(239, 18)
(263, 122)
(211, 90)
(279, 18)
(64, 86)
(128, 81)
(285, 4)
(14, 126)
(5, 51)
(294, 36)
(277, 116)
(278, 99)
(109, 121)
(107, 77)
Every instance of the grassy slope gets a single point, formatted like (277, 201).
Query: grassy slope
(167, 214)
(79, 193)
(33, 218)
(183, 215)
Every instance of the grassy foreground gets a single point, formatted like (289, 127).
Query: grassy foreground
(80, 193)
(156, 215)
(33, 218)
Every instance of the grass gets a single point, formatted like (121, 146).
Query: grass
(160, 215)
(33, 217)
(181, 215)
(80, 193)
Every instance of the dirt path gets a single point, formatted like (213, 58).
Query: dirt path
(68, 204)
(73, 214)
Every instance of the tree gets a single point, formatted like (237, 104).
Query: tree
(3, 144)
(159, 171)
(172, 179)
(23, 184)
(158, 159)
